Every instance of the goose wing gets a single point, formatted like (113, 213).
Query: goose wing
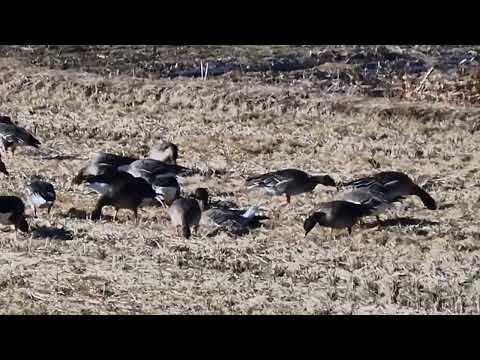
(148, 168)
(275, 180)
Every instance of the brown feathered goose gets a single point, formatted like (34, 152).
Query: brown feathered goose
(288, 182)
(395, 185)
(12, 135)
(122, 191)
(339, 214)
(12, 212)
(239, 218)
(185, 213)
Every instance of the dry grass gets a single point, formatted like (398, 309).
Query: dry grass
(420, 261)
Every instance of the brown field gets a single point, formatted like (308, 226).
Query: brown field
(331, 116)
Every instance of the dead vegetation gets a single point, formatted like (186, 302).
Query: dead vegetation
(230, 126)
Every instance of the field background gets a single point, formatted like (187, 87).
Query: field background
(346, 111)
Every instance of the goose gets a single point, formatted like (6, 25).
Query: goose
(40, 194)
(122, 191)
(289, 182)
(339, 214)
(185, 213)
(12, 212)
(396, 185)
(12, 136)
(221, 215)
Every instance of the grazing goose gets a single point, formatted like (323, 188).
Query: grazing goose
(12, 212)
(167, 189)
(164, 151)
(185, 213)
(373, 192)
(122, 191)
(339, 214)
(289, 182)
(40, 194)
(149, 168)
(3, 168)
(396, 184)
(12, 136)
(221, 215)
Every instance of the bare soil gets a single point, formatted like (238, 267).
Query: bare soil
(343, 111)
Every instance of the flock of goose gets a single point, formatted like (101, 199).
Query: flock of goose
(129, 183)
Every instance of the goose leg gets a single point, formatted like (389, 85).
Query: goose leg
(135, 212)
(49, 209)
(332, 233)
(115, 215)
(288, 198)
(97, 212)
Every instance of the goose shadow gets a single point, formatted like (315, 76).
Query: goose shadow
(74, 213)
(446, 206)
(209, 172)
(60, 157)
(46, 155)
(402, 221)
(52, 233)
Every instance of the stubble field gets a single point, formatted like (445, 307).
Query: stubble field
(327, 115)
